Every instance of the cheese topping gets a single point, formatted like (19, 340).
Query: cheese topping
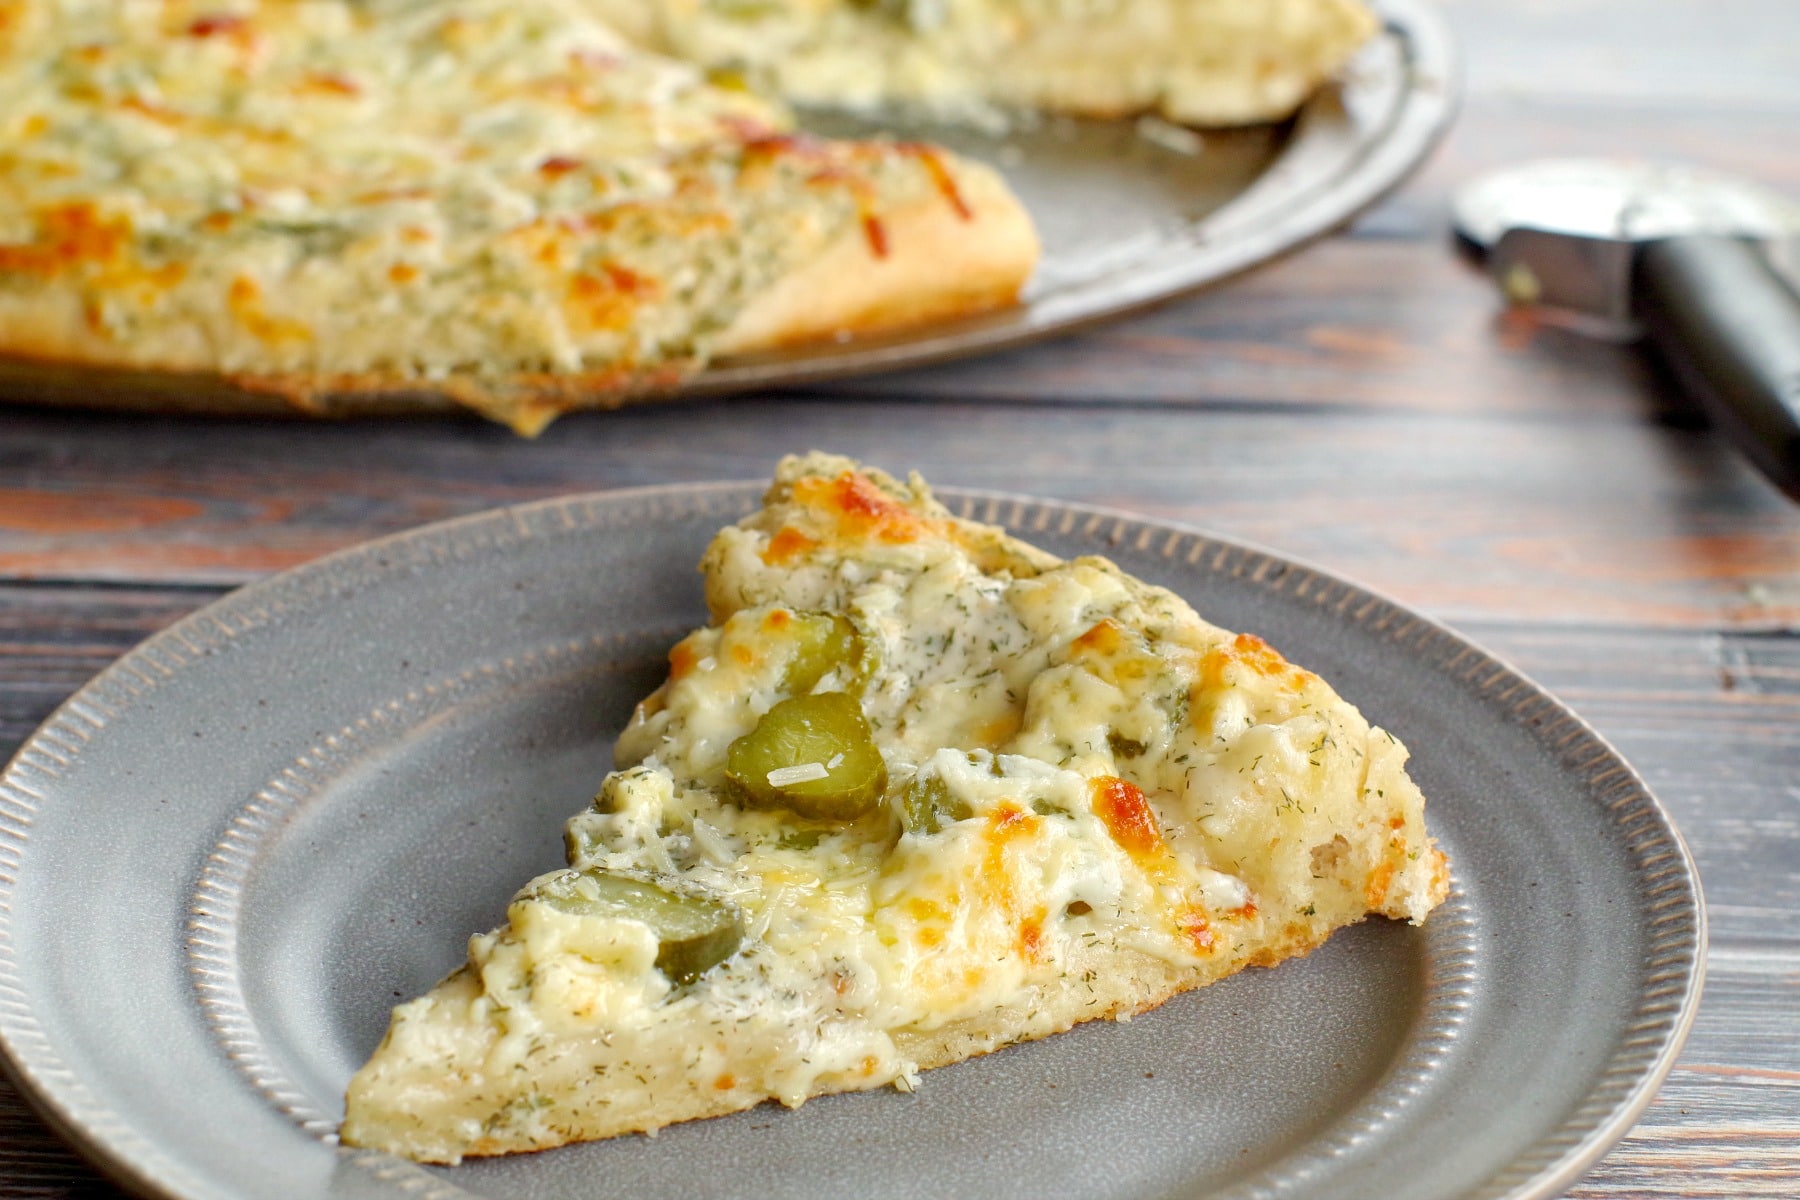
(1204, 62)
(1075, 772)
(403, 188)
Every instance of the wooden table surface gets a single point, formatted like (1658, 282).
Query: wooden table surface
(1363, 404)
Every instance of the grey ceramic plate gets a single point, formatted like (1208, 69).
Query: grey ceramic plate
(223, 860)
(1125, 220)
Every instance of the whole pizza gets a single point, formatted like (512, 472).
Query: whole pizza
(526, 206)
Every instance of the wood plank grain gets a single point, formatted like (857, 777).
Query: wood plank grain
(54, 639)
(1384, 323)
(1726, 1123)
(1469, 518)
(1712, 723)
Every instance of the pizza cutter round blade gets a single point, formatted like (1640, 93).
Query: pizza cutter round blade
(1702, 264)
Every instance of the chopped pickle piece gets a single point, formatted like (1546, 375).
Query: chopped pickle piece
(800, 839)
(823, 641)
(928, 805)
(814, 755)
(921, 16)
(693, 932)
(1124, 747)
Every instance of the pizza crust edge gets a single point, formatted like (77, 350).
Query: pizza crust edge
(1099, 984)
(958, 251)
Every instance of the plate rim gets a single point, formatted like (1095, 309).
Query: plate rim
(1666, 1004)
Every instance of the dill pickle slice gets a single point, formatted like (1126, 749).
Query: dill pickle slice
(814, 755)
(693, 933)
(823, 641)
(927, 805)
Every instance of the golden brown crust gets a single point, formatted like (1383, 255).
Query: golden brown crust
(51, 327)
(50, 354)
(964, 250)
(526, 403)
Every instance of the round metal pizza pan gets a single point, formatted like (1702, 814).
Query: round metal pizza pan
(227, 856)
(1130, 214)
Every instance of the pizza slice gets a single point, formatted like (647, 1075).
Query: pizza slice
(916, 792)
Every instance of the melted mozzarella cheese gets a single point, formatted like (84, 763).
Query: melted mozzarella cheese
(1206, 62)
(1018, 694)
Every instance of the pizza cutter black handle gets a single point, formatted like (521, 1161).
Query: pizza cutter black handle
(1730, 327)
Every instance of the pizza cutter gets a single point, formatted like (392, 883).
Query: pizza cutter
(1702, 264)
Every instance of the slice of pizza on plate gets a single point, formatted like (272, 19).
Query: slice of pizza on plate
(917, 791)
